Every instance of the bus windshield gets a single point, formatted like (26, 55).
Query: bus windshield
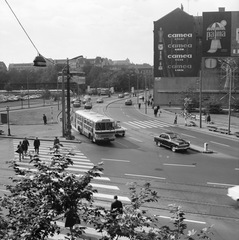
(104, 126)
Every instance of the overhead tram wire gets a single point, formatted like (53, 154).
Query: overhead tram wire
(22, 27)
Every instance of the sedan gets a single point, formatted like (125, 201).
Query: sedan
(100, 100)
(119, 130)
(121, 95)
(172, 140)
(88, 105)
(76, 104)
(128, 102)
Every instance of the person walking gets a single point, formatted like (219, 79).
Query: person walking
(116, 207)
(25, 145)
(36, 145)
(155, 111)
(44, 119)
(208, 118)
(20, 151)
(175, 119)
(139, 105)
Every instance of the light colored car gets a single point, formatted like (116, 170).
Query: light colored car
(172, 140)
(100, 100)
(119, 130)
(121, 95)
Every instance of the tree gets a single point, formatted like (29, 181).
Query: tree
(37, 199)
(136, 223)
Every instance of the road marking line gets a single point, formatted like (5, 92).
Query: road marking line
(96, 185)
(135, 139)
(108, 196)
(188, 135)
(131, 125)
(114, 160)
(135, 175)
(222, 184)
(186, 220)
(178, 165)
(220, 144)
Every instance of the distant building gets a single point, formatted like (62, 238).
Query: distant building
(3, 67)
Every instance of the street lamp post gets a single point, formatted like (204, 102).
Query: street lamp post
(68, 100)
(8, 122)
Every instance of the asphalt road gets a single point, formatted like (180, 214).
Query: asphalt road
(197, 182)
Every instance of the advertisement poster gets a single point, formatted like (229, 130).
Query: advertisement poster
(216, 34)
(174, 46)
(235, 34)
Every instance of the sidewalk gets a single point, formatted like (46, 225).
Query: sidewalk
(167, 114)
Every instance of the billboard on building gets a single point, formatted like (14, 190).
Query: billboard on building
(175, 46)
(235, 34)
(216, 34)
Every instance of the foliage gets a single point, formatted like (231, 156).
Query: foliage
(235, 105)
(191, 94)
(38, 198)
(136, 223)
(214, 107)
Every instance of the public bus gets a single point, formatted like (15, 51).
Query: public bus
(95, 126)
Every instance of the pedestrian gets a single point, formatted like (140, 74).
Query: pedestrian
(116, 207)
(56, 143)
(208, 118)
(155, 111)
(139, 105)
(36, 145)
(44, 119)
(175, 119)
(20, 151)
(25, 145)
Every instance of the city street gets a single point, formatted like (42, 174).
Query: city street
(196, 181)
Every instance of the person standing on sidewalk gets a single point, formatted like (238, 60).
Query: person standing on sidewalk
(36, 145)
(44, 119)
(175, 119)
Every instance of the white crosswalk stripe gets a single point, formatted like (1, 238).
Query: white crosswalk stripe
(147, 124)
(81, 165)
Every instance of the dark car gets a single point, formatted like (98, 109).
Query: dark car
(128, 102)
(172, 140)
(77, 104)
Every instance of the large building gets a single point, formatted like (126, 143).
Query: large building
(185, 46)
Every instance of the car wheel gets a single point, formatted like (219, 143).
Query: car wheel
(173, 149)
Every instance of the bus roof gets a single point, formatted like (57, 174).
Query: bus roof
(94, 116)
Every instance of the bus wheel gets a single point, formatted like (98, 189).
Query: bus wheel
(79, 130)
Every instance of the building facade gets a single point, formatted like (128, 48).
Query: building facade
(181, 65)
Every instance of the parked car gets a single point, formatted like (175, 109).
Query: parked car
(172, 140)
(121, 95)
(100, 100)
(126, 94)
(88, 105)
(86, 98)
(76, 104)
(119, 130)
(128, 102)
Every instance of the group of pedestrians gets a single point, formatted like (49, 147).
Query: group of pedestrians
(22, 147)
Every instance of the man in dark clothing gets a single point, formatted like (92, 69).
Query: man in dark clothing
(25, 145)
(36, 144)
(116, 207)
(44, 119)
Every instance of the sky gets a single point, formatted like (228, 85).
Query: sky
(113, 29)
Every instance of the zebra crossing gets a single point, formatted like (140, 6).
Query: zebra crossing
(147, 124)
(81, 165)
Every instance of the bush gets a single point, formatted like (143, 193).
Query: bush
(214, 107)
(235, 105)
